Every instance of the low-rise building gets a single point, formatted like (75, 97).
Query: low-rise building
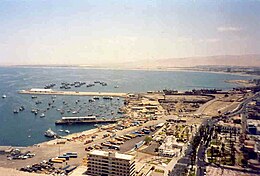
(229, 127)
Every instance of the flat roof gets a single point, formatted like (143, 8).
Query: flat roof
(111, 154)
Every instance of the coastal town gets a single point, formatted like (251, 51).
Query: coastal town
(130, 88)
(198, 132)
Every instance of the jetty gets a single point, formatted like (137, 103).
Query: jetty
(34, 91)
(83, 120)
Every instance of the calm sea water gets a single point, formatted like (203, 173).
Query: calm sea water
(25, 128)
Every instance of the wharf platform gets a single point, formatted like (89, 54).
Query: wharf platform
(55, 92)
(68, 122)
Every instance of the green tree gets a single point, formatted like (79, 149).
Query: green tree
(148, 139)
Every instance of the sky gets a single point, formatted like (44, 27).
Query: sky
(107, 31)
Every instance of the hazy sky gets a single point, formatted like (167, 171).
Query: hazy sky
(87, 32)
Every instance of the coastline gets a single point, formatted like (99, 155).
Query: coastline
(183, 69)
(244, 83)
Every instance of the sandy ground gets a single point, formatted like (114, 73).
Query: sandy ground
(13, 172)
(244, 83)
(220, 103)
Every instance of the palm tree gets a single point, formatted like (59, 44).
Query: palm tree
(223, 150)
(211, 152)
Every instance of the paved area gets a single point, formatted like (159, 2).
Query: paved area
(225, 172)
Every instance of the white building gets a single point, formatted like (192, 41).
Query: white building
(103, 163)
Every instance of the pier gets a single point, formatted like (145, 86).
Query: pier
(76, 93)
(67, 122)
(80, 120)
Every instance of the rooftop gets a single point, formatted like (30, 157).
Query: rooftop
(111, 154)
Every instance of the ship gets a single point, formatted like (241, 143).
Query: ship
(4, 96)
(49, 133)
(88, 119)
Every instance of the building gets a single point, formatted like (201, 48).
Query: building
(170, 147)
(227, 127)
(103, 163)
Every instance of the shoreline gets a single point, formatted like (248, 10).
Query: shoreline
(183, 69)
(244, 83)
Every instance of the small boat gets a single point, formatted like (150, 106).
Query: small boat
(74, 112)
(38, 102)
(3, 96)
(91, 100)
(67, 131)
(49, 133)
(107, 98)
(60, 130)
(103, 84)
(116, 87)
(42, 115)
(29, 136)
(33, 96)
(96, 98)
(21, 108)
(15, 111)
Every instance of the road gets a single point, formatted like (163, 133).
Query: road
(201, 151)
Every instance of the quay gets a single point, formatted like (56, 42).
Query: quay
(81, 120)
(62, 122)
(55, 92)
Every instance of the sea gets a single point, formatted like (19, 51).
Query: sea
(25, 128)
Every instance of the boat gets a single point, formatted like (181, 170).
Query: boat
(33, 96)
(60, 130)
(38, 102)
(15, 111)
(3, 96)
(49, 133)
(21, 108)
(74, 112)
(103, 84)
(116, 87)
(91, 100)
(107, 98)
(67, 131)
(96, 98)
(42, 115)
(90, 85)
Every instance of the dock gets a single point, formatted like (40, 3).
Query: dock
(76, 93)
(67, 122)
